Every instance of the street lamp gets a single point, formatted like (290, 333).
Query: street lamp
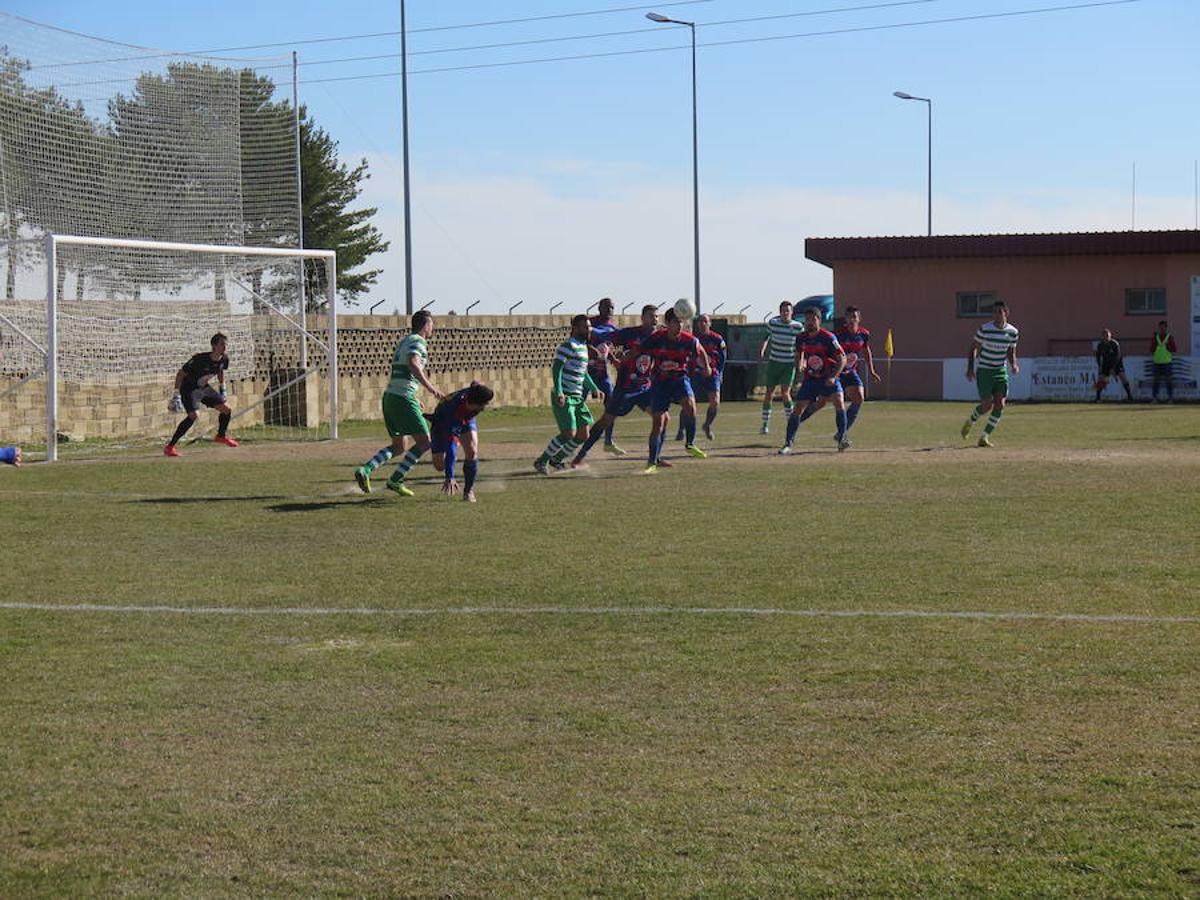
(929, 162)
(661, 19)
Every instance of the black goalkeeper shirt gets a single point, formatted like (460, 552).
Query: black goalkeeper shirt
(1108, 353)
(200, 369)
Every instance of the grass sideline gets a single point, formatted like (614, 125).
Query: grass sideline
(600, 749)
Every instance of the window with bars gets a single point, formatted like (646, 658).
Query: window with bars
(974, 304)
(1145, 301)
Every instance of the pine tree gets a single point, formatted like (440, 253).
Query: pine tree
(329, 187)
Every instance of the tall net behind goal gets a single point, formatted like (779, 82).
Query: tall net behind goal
(109, 140)
(105, 354)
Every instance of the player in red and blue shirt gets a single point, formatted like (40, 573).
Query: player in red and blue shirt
(820, 359)
(709, 386)
(856, 341)
(452, 424)
(599, 348)
(675, 352)
(633, 381)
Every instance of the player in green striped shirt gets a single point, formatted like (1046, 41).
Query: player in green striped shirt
(779, 350)
(995, 348)
(568, 397)
(401, 412)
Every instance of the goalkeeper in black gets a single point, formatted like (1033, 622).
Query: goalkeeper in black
(1110, 363)
(201, 382)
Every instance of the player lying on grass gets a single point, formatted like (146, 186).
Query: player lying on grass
(194, 388)
(10, 455)
(451, 427)
(820, 360)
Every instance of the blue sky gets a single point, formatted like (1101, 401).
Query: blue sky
(571, 180)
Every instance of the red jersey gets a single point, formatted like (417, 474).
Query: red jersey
(855, 344)
(822, 353)
(672, 355)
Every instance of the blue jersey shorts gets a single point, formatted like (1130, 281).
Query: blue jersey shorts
(670, 390)
(440, 437)
(622, 401)
(604, 383)
(813, 388)
(850, 378)
(705, 387)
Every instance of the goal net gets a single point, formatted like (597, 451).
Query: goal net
(119, 319)
(107, 140)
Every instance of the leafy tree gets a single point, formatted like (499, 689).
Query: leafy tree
(329, 187)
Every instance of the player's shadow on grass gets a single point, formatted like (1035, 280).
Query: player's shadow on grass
(315, 505)
(225, 499)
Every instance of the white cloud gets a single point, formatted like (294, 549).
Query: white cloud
(504, 239)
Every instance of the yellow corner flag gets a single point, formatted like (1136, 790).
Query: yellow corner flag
(888, 349)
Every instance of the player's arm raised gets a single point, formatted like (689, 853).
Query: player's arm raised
(414, 366)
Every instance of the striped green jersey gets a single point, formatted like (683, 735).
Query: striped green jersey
(782, 335)
(994, 343)
(404, 382)
(573, 355)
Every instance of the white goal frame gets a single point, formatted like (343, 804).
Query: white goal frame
(54, 241)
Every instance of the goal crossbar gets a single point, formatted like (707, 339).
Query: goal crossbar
(54, 241)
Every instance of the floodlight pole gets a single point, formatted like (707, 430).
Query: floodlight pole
(928, 157)
(661, 19)
(408, 277)
(555, 306)
(471, 306)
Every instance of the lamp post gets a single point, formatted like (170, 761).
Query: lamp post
(929, 156)
(408, 272)
(661, 19)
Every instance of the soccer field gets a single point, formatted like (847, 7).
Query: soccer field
(916, 667)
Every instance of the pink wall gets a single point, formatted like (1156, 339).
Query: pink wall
(1053, 300)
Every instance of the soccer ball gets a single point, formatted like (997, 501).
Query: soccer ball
(685, 308)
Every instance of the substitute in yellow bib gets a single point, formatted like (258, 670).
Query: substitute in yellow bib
(1162, 349)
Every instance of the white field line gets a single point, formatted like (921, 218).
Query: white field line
(980, 615)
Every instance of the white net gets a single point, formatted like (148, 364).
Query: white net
(107, 140)
(118, 351)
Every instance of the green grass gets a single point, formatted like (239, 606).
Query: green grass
(608, 746)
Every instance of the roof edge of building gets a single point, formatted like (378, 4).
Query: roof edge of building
(828, 250)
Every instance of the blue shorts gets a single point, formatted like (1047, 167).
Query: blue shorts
(705, 387)
(604, 384)
(670, 390)
(851, 378)
(622, 401)
(813, 388)
(441, 438)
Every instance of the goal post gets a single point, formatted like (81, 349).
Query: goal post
(141, 308)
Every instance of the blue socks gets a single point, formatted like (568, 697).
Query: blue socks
(470, 471)
(842, 424)
(689, 429)
(852, 414)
